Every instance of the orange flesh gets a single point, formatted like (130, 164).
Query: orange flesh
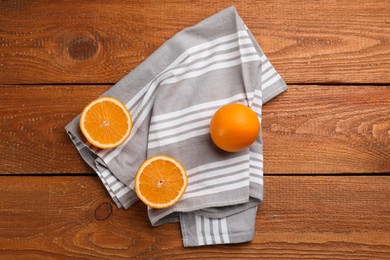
(106, 123)
(161, 182)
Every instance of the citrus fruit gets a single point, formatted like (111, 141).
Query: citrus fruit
(234, 127)
(105, 122)
(160, 181)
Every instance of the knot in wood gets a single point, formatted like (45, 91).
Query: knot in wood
(82, 48)
(103, 211)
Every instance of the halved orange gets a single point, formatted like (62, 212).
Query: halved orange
(160, 181)
(106, 122)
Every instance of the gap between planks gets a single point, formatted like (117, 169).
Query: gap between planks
(382, 84)
(368, 174)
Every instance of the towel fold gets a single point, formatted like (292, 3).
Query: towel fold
(172, 96)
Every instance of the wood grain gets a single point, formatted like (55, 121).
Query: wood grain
(32, 134)
(100, 42)
(302, 217)
(308, 129)
(333, 129)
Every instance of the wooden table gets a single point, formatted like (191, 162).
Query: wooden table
(326, 140)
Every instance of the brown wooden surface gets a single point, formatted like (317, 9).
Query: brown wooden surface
(324, 217)
(326, 140)
(85, 42)
(336, 129)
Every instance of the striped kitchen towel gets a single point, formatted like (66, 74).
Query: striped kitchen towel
(172, 96)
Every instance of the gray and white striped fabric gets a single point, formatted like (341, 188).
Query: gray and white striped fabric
(172, 96)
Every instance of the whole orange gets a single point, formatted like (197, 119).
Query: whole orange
(234, 127)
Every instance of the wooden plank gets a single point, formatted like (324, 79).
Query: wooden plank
(32, 136)
(100, 42)
(302, 217)
(308, 129)
(343, 129)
